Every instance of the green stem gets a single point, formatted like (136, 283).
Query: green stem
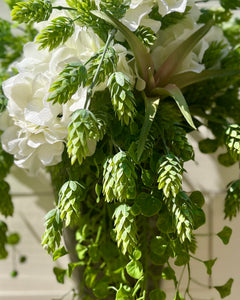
(110, 37)
(63, 8)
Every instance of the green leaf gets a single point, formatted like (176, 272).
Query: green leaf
(101, 289)
(208, 146)
(178, 296)
(225, 234)
(13, 239)
(124, 293)
(226, 159)
(6, 204)
(151, 106)
(182, 259)
(209, 264)
(157, 295)
(225, 290)
(72, 266)
(173, 91)
(137, 254)
(197, 198)
(60, 274)
(199, 217)
(141, 54)
(168, 273)
(134, 269)
(59, 253)
(148, 204)
(168, 68)
(185, 79)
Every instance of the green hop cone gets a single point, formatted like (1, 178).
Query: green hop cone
(232, 200)
(56, 33)
(70, 196)
(125, 229)
(233, 141)
(32, 11)
(117, 8)
(178, 143)
(101, 65)
(122, 97)
(119, 178)
(53, 230)
(84, 130)
(182, 210)
(146, 35)
(170, 172)
(67, 83)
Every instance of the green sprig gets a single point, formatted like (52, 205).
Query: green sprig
(56, 33)
(32, 11)
(69, 80)
(119, 178)
(122, 97)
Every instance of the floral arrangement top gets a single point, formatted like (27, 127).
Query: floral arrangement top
(104, 97)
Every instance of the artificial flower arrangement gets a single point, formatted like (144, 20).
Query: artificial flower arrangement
(103, 99)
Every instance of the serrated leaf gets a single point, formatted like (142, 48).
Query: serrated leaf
(157, 294)
(225, 290)
(134, 269)
(59, 253)
(225, 235)
(209, 264)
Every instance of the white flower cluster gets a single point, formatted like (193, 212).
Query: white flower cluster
(38, 128)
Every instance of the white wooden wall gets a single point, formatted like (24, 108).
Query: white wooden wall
(33, 198)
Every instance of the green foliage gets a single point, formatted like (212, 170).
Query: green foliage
(157, 295)
(213, 54)
(101, 65)
(169, 19)
(225, 234)
(170, 172)
(178, 144)
(225, 290)
(3, 240)
(13, 239)
(56, 33)
(209, 265)
(148, 205)
(70, 196)
(69, 80)
(208, 145)
(32, 11)
(53, 230)
(233, 141)
(6, 161)
(125, 229)
(233, 4)
(115, 7)
(86, 18)
(119, 178)
(146, 35)
(6, 205)
(122, 97)
(83, 128)
(232, 200)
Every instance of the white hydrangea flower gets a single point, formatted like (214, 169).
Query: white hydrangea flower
(39, 130)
